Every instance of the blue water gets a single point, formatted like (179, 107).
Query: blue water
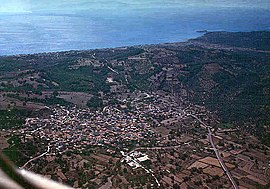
(44, 32)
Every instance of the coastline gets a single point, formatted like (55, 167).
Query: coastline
(104, 48)
(202, 34)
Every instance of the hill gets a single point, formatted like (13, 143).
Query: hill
(256, 40)
(226, 72)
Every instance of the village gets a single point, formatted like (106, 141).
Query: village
(180, 115)
(169, 146)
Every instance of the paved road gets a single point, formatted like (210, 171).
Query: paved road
(221, 162)
(210, 136)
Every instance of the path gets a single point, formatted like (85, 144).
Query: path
(35, 158)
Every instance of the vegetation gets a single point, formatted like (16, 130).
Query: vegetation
(240, 91)
(236, 87)
(12, 118)
(225, 125)
(260, 40)
(95, 102)
(14, 151)
(264, 187)
(266, 139)
(47, 101)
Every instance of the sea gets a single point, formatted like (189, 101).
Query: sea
(37, 32)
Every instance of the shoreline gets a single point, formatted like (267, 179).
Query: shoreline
(104, 48)
(129, 46)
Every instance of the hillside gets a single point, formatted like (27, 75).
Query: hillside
(226, 72)
(254, 40)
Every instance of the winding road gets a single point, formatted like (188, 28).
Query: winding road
(35, 158)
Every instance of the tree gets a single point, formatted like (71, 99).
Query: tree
(110, 161)
(220, 143)
(176, 186)
(55, 93)
(95, 102)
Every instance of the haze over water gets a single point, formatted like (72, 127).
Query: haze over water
(33, 30)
